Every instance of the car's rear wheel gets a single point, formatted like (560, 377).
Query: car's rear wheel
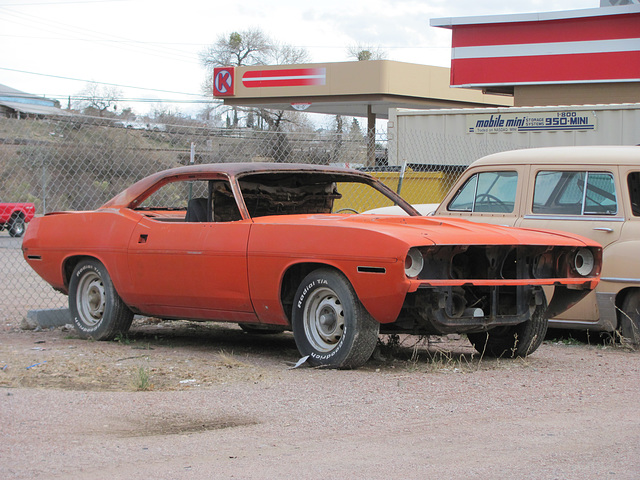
(98, 311)
(16, 226)
(513, 341)
(330, 325)
(630, 318)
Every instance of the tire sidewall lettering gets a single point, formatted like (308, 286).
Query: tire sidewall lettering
(332, 353)
(299, 307)
(79, 323)
(81, 271)
(309, 287)
(82, 326)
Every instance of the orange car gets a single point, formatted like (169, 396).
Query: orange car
(265, 246)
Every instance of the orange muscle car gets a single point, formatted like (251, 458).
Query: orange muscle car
(275, 247)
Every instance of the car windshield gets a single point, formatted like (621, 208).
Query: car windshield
(286, 193)
(486, 192)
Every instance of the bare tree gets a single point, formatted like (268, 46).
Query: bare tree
(283, 54)
(246, 48)
(366, 52)
(98, 98)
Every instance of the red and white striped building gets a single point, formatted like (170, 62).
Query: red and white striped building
(569, 57)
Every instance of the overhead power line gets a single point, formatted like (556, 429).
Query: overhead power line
(29, 4)
(101, 83)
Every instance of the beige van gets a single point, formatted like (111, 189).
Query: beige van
(591, 191)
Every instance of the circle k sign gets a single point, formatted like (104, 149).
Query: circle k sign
(223, 81)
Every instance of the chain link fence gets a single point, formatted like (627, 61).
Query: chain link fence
(78, 163)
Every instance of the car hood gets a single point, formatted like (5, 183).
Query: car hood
(432, 230)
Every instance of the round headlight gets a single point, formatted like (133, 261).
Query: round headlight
(583, 262)
(413, 263)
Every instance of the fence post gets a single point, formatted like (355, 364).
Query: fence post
(401, 177)
(44, 184)
(192, 159)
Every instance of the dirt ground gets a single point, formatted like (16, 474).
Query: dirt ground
(187, 400)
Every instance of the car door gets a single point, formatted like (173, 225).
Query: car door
(191, 266)
(580, 200)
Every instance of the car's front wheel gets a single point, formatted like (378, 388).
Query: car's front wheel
(513, 341)
(16, 226)
(330, 325)
(98, 311)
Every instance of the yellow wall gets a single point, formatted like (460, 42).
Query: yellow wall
(417, 187)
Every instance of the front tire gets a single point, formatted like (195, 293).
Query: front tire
(98, 311)
(330, 325)
(513, 341)
(17, 226)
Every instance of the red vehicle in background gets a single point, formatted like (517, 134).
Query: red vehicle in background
(15, 216)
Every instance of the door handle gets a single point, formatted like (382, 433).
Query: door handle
(143, 238)
(604, 229)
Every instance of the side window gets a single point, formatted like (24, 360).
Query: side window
(601, 195)
(633, 182)
(487, 192)
(574, 193)
(463, 201)
(175, 195)
(193, 201)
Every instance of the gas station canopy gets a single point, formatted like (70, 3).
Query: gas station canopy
(360, 89)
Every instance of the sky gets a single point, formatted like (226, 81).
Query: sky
(150, 49)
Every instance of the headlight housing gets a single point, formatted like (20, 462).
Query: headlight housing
(413, 263)
(583, 262)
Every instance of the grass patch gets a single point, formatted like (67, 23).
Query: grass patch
(229, 360)
(142, 380)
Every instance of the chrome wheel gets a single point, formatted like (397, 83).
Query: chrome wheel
(91, 299)
(323, 319)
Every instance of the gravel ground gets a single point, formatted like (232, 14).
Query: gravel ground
(186, 400)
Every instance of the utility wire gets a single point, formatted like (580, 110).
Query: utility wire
(101, 83)
(121, 43)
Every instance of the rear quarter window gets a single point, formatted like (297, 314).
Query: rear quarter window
(633, 182)
(574, 193)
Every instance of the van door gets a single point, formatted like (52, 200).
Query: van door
(577, 200)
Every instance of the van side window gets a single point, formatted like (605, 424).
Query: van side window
(574, 193)
(487, 192)
(633, 181)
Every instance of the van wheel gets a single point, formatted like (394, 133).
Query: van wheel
(629, 318)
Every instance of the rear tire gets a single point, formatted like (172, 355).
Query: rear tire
(629, 323)
(330, 325)
(513, 341)
(98, 311)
